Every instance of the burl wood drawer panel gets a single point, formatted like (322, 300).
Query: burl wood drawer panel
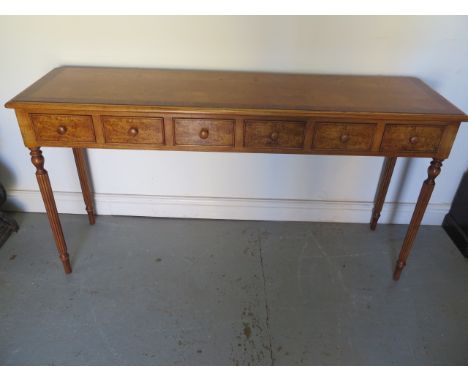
(274, 134)
(343, 136)
(203, 132)
(141, 130)
(403, 137)
(63, 128)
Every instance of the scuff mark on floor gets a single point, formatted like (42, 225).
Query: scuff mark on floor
(267, 308)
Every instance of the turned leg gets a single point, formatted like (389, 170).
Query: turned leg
(48, 197)
(385, 178)
(425, 194)
(81, 166)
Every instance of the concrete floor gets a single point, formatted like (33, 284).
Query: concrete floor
(206, 292)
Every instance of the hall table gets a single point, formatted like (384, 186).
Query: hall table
(153, 109)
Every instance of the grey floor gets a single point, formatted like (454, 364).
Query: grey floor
(206, 292)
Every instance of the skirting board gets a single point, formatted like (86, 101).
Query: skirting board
(226, 208)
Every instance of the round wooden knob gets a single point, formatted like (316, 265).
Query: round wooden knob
(133, 131)
(274, 136)
(61, 130)
(344, 138)
(204, 133)
(413, 140)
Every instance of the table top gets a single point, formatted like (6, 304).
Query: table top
(235, 90)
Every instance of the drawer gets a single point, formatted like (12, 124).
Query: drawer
(63, 128)
(274, 134)
(141, 130)
(203, 132)
(343, 136)
(402, 137)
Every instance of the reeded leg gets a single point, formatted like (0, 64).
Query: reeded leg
(46, 191)
(382, 190)
(426, 191)
(80, 161)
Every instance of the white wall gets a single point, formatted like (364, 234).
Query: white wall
(253, 186)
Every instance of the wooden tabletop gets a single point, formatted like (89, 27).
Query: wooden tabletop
(236, 90)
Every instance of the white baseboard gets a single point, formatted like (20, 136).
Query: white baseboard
(226, 208)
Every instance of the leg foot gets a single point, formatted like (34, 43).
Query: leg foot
(382, 189)
(374, 220)
(91, 217)
(66, 264)
(398, 269)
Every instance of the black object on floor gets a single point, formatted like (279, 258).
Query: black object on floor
(7, 224)
(456, 221)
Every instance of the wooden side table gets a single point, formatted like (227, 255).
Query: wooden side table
(151, 109)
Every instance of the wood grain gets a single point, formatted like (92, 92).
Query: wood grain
(113, 131)
(405, 137)
(235, 90)
(274, 134)
(343, 136)
(68, 128)
(134, 130)
(204, 132)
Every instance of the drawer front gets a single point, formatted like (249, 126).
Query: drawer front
(274, 134)
(343, 136)
(203, 132)
(420, 138)
(141, 130)
(63, 128)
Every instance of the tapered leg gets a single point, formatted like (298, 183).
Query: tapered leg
(46, 191)
(424, 196)
(80, 161)
(382, 190)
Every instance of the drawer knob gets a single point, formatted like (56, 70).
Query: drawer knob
(344, 138)
(61, 130)
(204, 133)
(274, 136)
(133, 131)
(414, 140)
